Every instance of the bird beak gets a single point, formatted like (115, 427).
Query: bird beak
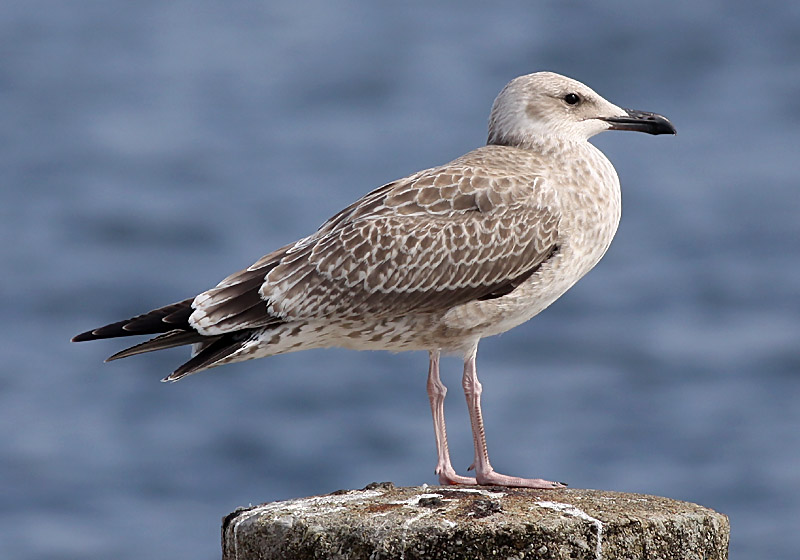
(641, 121)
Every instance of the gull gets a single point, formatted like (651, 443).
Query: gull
(435, 261)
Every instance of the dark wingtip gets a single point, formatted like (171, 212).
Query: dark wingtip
(112, 330)
(117, 356)
(83, 337)
(161, 320)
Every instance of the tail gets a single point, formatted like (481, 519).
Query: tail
(171, 326)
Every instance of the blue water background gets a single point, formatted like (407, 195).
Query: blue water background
(148, 149)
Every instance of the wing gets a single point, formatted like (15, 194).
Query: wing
(437, 239)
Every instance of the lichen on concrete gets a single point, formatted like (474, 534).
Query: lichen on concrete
(433, 522)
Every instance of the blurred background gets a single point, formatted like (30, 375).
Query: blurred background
(148, 149)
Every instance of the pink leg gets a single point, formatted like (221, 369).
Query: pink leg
(436, 394)
(484, 473)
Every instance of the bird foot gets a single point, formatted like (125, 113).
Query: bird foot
(449, 477)
(492, 478)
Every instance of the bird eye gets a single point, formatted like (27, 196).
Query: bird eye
(572, 99)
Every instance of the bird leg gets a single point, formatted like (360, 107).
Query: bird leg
(436, 394)
(484, 473)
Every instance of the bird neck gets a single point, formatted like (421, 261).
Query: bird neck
(532, 141)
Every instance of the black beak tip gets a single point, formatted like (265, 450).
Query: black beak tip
(662, 125)
(642, 121)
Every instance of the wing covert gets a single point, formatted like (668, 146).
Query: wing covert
(439, 238)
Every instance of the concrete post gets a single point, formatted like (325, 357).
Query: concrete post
(435, 522)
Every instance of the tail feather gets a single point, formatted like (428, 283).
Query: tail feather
(171, 326)
(211, 354)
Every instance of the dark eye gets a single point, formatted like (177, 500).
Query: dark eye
(572, 99)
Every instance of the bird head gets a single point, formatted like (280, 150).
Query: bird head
(548, 105)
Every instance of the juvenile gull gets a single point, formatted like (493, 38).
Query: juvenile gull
(434, 261)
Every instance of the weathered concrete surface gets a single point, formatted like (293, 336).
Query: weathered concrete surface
(436, 522)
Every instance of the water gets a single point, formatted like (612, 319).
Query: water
(149, 149)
